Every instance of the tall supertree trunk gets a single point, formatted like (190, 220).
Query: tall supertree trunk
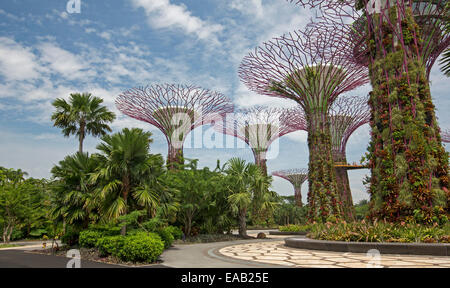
(298, 196)
(260, 160)
(343, 186)
(323, 198)
(175, 156)
(408, 162)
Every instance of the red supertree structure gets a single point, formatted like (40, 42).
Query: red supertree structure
(296, 177)
(309, 69)
(175, 110)
(349, 18)
(259, 127)
(399, 41)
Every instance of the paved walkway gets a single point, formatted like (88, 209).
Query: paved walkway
(275, 253)
(269, 253)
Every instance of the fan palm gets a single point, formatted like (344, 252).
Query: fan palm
(82, 115)
(125, 163)
(74, 198)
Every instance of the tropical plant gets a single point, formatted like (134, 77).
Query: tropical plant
(245, 183)
(124, 165)
(74, 200)
(82, 115)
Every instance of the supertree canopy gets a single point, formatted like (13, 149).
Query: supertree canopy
(297, 177)
(313, 72)
(259, 126)
(408, 162)
(175, 110)
(431, 16)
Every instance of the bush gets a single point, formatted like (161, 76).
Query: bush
(110, 245)
(294, 228)
(153, 224)
(106, 229)
(71, 237)
(89, 238)
(166, 237)
(176, 232)
(142, 247)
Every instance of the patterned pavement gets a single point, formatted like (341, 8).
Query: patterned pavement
(275, 252)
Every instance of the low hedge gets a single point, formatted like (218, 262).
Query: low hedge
(294, 228)
(140, 247)
(166, 236)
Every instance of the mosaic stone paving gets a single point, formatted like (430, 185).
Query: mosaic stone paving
(276, 253)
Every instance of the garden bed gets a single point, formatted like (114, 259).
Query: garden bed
(92, 254)
(438, 249)
(287, 233)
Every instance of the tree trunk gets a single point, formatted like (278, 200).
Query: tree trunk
(323, 198)
(174, 156)
(260, 160)
(298, 196)
(126, 191)
(81, 137)
(343, 185)
(409, 165)
(242, 223)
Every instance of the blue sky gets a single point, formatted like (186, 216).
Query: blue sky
(46, 53)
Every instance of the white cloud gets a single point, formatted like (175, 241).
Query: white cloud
(163, 14)
(64, 62)
(17, 62)
(298, 136)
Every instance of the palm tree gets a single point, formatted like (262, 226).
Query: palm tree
(246, 183)
(74, 199)
(82, 115)
(124, 164)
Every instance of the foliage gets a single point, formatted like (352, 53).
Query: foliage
(166, 237)
(82, 115)
(176, 232)
(74, 200)
(288, 212)
(88, 238)
(143, 247)
(295, 228)
(110, 245)
(124, 165)
(380, 232)
(409, 165)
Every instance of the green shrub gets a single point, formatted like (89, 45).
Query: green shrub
(142, 247)
(71, 237)
(110, 245)
(294, 228)
(106, 229)
(166, 237)
(89, 238)
(38, 233)
(176, 232)
(153, 224)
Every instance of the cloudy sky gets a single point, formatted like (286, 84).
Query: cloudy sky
(46, 53)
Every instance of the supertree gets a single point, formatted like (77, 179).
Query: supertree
(431, 16)
(175, 110)
(346, 115)
(408, 162)
(259, 126)
(313, 72)
(296, 177)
